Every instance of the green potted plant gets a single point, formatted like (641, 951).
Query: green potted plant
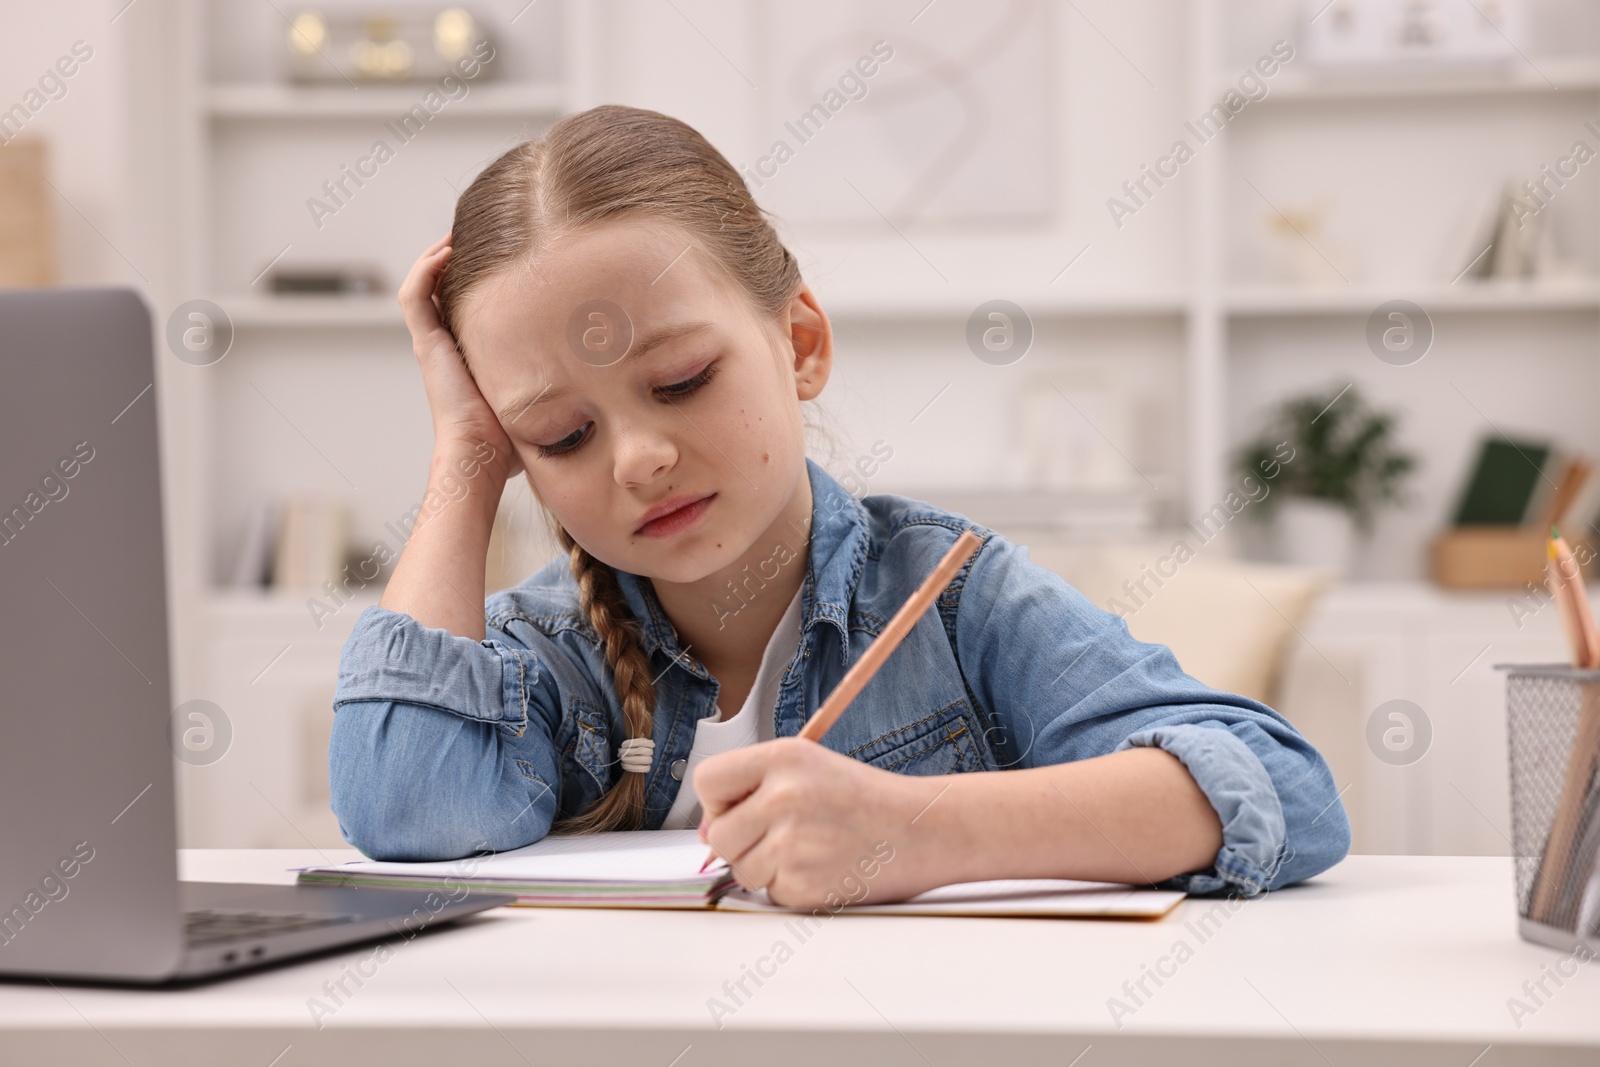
(1343, 468)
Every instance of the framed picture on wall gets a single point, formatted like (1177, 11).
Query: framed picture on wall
(905, 110)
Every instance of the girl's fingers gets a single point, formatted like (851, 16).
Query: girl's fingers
(725, 779)
(757, 868)
(752, 863)
(416, 295)
(458, 407)
(423, 276)
(739, 829)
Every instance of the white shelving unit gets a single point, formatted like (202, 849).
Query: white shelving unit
(307, 376)
(253, 147)
(1508, 357)
(1496, 296)
(314, 312)
(288, 102)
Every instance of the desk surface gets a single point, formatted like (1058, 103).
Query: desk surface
(1403, 959)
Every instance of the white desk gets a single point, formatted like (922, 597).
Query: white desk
(1384, 960)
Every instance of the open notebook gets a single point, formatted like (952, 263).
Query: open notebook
(660, 869)
(624, 869)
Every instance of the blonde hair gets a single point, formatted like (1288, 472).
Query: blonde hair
(607, 163)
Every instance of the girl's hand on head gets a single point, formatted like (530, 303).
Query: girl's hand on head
(814, 827)
(461, 416)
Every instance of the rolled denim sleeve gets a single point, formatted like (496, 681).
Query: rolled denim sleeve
(1066, 681)
(1241, 792)
(441, 745)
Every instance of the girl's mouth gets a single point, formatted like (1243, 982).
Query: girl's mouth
(674, 516)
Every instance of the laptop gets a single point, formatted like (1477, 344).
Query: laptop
(89, 888)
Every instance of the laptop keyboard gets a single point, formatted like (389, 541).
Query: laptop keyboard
(207, 926)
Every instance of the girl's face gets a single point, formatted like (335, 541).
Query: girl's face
(672, 457)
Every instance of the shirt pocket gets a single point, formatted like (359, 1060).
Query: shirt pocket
(583, 742)
(944, 742)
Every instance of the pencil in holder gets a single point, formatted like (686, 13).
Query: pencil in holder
(1553, 740)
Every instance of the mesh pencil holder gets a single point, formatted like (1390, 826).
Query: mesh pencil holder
(1553, 740)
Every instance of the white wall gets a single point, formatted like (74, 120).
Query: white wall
(693, 59)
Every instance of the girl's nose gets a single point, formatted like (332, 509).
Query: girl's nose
(644, 452)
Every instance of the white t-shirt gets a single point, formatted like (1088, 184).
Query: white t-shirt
(753, 723)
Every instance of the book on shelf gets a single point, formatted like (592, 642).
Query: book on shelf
(292, 542)
(1515, 491)
(252, 566)
(1504, 481)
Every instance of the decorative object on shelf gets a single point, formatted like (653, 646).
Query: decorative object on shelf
(1344, 467)
(27, 238)
(1303, 252)
(328, 280)
(1400, 34)
(1517, 239)
(1315, 533)
(380, 45)
(1517, 490)
(1072, 425)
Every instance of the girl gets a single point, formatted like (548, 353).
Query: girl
(612, 317)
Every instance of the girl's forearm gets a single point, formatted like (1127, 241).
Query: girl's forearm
(1132, 816)
(439, 579)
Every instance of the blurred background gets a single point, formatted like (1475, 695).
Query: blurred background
(1271, 325)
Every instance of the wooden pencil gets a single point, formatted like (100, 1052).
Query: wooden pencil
(1572, 482)
(1572, 600)
(856, 678)
(1562, 559)
(1556, 860)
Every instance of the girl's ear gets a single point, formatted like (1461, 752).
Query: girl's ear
(811, 339)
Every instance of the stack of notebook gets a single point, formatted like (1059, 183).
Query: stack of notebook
(660, 869)
(627, 869)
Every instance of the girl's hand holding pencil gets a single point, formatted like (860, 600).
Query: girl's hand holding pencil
(806, 822)
(803, 819)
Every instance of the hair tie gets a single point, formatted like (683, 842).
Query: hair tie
(636, 754)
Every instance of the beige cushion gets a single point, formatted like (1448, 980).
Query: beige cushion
(1228, 622)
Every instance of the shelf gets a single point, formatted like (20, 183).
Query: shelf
(281, 615)
(1550, 76)
(300, 312)
(958, 302)
(280, 101)
(1580, 294)
(361, 312)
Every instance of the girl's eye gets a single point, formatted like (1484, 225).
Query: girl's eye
(567, 443)
(675, 391)
(688, 385)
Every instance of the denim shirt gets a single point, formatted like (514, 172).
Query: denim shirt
(444, 745)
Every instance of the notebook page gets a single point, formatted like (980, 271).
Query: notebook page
(622, 856)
